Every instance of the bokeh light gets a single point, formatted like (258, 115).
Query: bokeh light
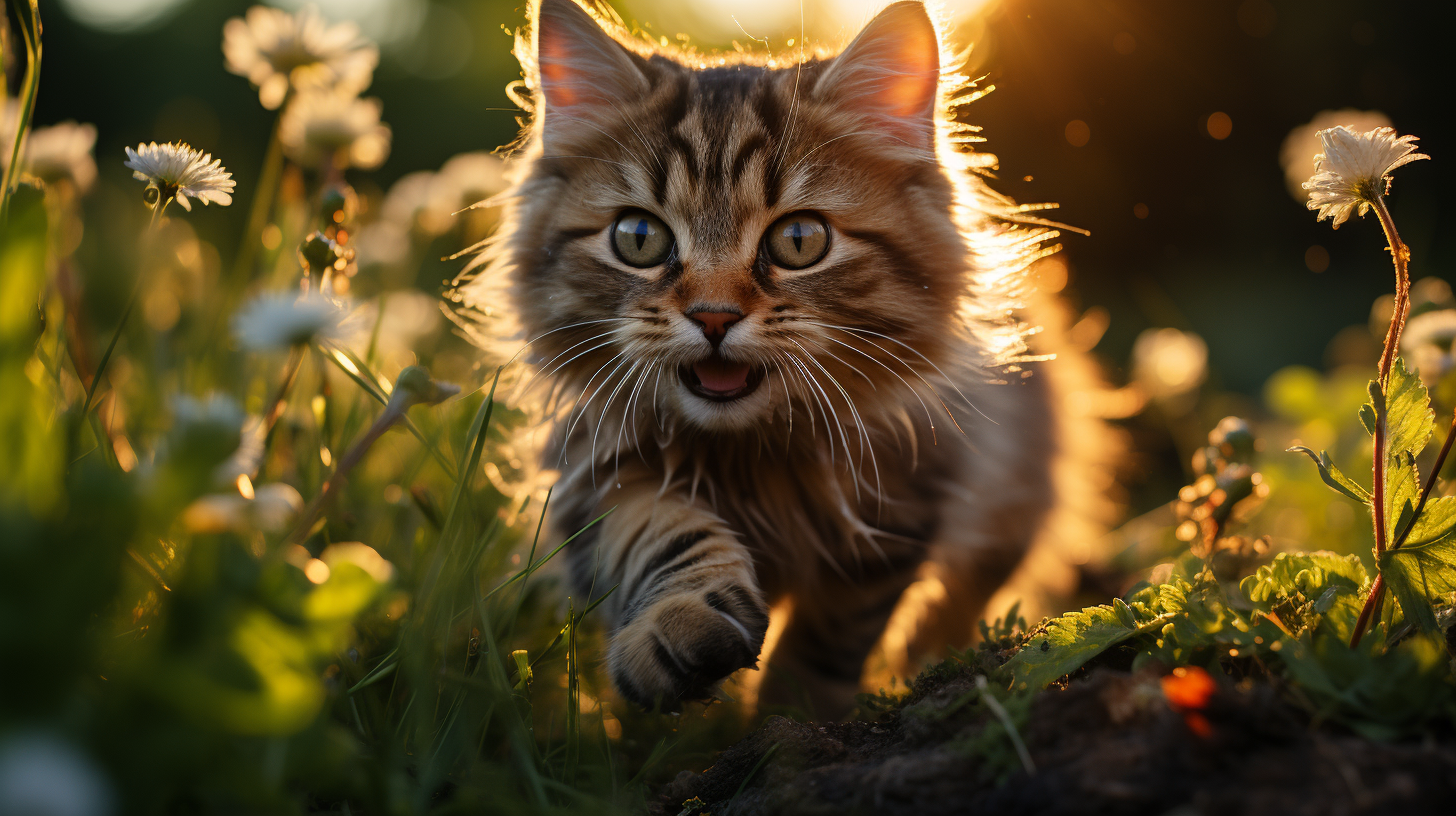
(121, 15)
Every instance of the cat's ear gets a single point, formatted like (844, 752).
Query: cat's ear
(890, 73)
(580, 67)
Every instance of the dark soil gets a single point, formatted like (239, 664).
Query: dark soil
(1107, 744)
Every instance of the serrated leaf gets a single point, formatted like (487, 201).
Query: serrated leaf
(1437, 521)
(1418, 574)
(1063, 644)
(1409, 422)
(1332, 475)
(1307, 574)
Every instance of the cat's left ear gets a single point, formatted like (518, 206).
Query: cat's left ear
(890, 73)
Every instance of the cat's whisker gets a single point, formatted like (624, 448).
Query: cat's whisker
(928, 417)
(788, 397)
(606, 381)
(607, 406)
(841, 361)
(949, 381)
(541, 369)
(631, 398)
(592, 158)
(784, 365)
(655, 414)
(578, 409)
(838, 423)
(855, 331)
(864, 434)
(826, 143)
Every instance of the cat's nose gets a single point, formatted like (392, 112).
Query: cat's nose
(715, 325)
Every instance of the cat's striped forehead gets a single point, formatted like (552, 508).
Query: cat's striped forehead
(715, 149)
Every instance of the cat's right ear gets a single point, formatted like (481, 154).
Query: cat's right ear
(581, 70)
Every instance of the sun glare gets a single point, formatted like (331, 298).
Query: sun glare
(744, 21)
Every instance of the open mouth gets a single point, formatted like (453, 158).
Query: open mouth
(720, 380)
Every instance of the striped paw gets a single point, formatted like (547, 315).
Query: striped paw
(681, 643)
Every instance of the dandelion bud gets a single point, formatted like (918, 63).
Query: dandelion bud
(1234, 440)
(339, 205)
(414, 386)
(319, 253)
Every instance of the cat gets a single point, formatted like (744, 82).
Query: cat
(777, 306)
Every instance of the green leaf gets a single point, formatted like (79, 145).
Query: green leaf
(1307, 574)
(1437, 521)
(1409, 422)
(1063, 644)
(1402, 491)
(1332, 475)
(1367, 418)
(1419, 573)
(1381, 693)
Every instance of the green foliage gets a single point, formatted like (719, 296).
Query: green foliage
(1409, 420)
(1333, 477)
(1063, 644)
(1420, 573)
(1293, 614)
(1382, 693)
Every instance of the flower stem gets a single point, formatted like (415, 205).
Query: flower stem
(29, 31)
(1400, 257)
(355, 454)
(280, 397)
(1368, 611)
(136, 290)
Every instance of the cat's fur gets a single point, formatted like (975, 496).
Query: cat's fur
(899, 430)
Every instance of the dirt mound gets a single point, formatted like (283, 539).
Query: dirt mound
(1109, 744)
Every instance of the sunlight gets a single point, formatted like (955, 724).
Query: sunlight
(711, 22)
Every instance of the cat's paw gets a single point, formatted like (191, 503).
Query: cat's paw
(682, 643)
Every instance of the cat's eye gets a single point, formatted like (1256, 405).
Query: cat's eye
(640, 239)
(798, 240)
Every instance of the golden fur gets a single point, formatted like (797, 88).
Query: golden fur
(895, 429)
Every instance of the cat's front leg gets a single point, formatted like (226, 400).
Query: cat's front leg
(687, 610)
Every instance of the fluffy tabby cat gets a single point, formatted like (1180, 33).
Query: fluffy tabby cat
(776, 305)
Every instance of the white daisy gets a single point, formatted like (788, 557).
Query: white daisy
(273, 507)
(1354, 170)
(1435, 328)
(277, 320)
(61, 152)
(179, 171)
(1297, 153)
(276, 50)
(319, 127)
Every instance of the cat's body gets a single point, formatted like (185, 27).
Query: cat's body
(775, 310)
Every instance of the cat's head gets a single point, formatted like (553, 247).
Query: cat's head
(731, 238)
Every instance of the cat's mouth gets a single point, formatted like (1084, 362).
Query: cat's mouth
(720, 380)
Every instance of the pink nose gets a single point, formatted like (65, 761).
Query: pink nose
(715, 324)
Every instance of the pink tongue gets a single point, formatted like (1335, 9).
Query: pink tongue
(721, 376)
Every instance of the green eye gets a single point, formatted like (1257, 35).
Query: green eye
(798, 240)
(640, 239)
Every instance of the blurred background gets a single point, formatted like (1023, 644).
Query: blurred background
(169, 632)
(1156, 126)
